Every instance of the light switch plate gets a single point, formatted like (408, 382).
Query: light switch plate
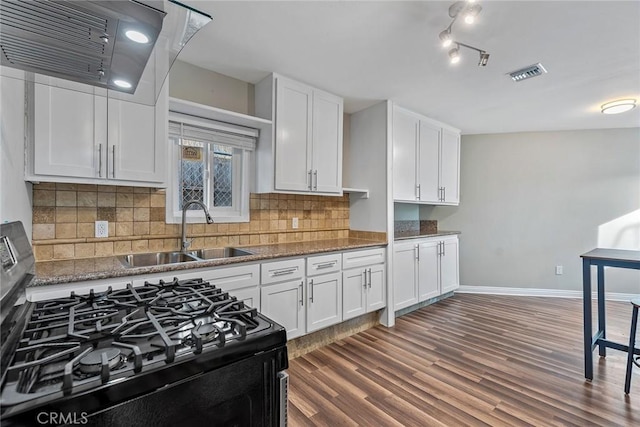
(294, 223)
(102, 228)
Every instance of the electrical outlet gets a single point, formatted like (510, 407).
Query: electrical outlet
(294, 223)
(559, 270)
(102, 228)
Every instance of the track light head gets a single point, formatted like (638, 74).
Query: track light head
(484, 58)
(471, 13)
(445, 38)
(454, 55)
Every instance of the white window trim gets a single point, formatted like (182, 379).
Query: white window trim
(197, 216)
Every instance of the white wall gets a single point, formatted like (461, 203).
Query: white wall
(207, 87)
(531, 201)
(15, 193)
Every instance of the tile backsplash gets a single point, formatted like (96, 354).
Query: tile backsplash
(64, 218)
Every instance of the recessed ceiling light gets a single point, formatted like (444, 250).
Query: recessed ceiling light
(137, 36)
(618, 106)
(122, 83)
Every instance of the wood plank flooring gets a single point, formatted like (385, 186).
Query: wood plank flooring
(476, 360)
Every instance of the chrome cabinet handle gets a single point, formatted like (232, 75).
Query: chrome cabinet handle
(100, 160)
(419, 192)
(369, 278)
(443, 250)
(315, 175)
(365, 279)
(284, 271)
(311, 290)
(416, 255)
(310, 180)
(302, 293)
(326, 265)
(444, 193)
(113, 161)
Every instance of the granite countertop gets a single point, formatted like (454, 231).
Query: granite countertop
(77, 270)
(415, 234)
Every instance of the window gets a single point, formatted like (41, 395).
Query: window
(209, 163)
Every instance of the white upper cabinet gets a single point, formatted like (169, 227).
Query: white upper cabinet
(426, 160)
(293, 135)
(304, 154)
(69, 129)
(81, 136)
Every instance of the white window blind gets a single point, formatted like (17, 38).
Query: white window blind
(212, 132)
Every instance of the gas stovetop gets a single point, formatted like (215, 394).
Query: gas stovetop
(83, 342)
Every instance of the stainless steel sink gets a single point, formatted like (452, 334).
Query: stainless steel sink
(156, 258)
(216, 253)
(162, 258)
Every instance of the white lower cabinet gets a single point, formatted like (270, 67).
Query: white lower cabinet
(423, 269)
(324, 296)
(363, 287)
(284, 303)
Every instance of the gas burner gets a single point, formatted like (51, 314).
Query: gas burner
(91, 363)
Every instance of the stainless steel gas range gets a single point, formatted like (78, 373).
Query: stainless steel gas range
(169, 353)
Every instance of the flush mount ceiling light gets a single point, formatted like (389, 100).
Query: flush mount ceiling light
(469, 10)
(618, 106)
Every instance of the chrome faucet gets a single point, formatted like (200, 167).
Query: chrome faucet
(185, 243)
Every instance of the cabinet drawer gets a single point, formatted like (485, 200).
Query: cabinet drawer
(233, 278)
(279, 271)
(362, 258)
(322, 264)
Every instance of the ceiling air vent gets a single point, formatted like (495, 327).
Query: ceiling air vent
(526, 73)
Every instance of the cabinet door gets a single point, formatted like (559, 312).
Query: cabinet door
(250, 296)
(405, 283)
(293, 136)
(428, 155)
(405, 140)
(326, 151)
(428, 261)
(353, 293)
(284, 303)
(450, 166)
(324, 298)
(137, 151)
(377, 291)
(70, 133)
(449, 276)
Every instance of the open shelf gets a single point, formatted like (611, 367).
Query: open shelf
(362, 193)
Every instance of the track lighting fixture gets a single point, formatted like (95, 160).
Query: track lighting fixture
(454, 54)
(445, 37)
(469, 10)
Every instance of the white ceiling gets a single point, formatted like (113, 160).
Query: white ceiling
(368, 51)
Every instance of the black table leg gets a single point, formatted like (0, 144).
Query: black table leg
(586, 310)
(602, 321)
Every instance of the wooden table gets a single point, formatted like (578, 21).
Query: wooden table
(601, 258)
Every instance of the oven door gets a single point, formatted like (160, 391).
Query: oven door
(244, 393)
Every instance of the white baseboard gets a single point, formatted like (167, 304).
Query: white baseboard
(533, 292)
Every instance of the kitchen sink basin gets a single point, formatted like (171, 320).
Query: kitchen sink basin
(162, 258)
(156, 258)
(216, 253)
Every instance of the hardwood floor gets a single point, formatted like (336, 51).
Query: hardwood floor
(469, 360)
